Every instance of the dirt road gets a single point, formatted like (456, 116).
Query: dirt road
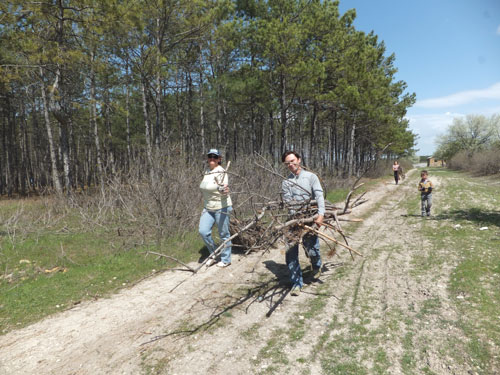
(371, 315)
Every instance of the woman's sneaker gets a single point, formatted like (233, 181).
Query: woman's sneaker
(221, 264)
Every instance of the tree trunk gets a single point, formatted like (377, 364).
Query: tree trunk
(225, 127)
(73, 156)
(62, 109)
(158, 109)
(312, 135)
(218, 114)
(202, 115)
(64, 144)
(2, 159)
(147, 129)
(93, 124)
(111, 162)
(189, 118)
(282, 101)
(253, 128)
(50, 139)
(127, 120)
(272, 137)
(350, 154)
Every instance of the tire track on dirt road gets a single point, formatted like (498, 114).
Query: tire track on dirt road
(388, 317)
(397, 317)
(372, 285)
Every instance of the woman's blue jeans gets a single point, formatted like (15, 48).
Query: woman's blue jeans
(311, 244)
(221, 218)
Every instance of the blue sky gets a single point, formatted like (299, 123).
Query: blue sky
(447, 51)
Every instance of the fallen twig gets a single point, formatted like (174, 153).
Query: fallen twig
(332, 239)
(171, 258)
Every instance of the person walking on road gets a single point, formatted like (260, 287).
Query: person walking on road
(395, 170)
(425, 187)
(300, 186)
(217, 207)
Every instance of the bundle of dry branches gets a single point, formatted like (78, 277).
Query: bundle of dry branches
(277, 222)
(291, 221)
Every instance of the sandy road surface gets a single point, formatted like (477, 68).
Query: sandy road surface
(215, 323)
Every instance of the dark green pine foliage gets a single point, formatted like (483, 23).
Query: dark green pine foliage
(94, 88)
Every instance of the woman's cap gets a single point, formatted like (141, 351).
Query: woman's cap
(213, 151)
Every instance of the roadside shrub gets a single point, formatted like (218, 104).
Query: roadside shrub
(381, 168)
(460, 161)
(480, 163)
(170, 202)
(486, 163)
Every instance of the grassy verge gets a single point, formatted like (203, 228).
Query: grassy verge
(466, 228)
(50, 265)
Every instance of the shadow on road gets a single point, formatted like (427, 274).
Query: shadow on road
(271, 291)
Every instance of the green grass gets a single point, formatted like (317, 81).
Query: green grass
(251, 334)
(348, 367)
(273, 352)
(50, 265)
(474, 281)
(339, 195)
(381, 362)
(408, 360)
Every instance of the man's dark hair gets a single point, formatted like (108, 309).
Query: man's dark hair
(288, 152)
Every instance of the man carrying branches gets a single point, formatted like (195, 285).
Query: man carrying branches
(302, 186)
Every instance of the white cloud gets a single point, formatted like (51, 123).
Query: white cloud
(430, 126)
(459, 98)
(432, 123)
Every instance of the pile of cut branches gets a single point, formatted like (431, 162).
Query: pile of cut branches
(291, 221)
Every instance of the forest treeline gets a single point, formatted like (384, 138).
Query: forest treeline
(96, 88)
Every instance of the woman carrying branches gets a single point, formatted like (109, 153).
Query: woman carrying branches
(217, 207)
(302, 186)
